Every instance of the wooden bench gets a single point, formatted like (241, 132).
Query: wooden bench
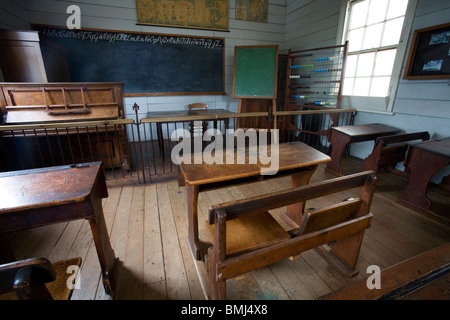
(423, 277)
(37, 279)
(390, 150)
(246, 237)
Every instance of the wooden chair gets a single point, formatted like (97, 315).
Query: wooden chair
(36, 279)
(246, 237)
(390, 150)
(198, 127)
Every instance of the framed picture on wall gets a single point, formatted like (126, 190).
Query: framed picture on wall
(429, 55)
(199, 14)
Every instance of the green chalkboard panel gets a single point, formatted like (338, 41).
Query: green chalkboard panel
(147, 63)
(255, 72)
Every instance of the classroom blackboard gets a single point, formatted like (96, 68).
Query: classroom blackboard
(147, 63)
(255, 72)
(429, 56)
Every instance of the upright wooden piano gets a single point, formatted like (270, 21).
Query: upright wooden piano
(63, 103)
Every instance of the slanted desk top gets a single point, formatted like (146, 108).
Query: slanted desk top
(438, 146)
(366, 129)
(45, 187)
(37, 197)
(291, 156)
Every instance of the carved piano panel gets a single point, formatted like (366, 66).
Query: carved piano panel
(35, 103)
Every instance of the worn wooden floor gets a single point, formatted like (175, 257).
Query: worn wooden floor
(148, 231)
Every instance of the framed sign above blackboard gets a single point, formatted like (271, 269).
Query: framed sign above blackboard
(198, 14)
(147, 63)
(255, 72)
(429, 55)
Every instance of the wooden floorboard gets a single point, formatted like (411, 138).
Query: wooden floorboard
(148, 231)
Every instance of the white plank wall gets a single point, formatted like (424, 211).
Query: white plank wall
(311, 23)
(13, 14)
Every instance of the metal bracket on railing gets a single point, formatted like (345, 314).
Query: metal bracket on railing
(136, 109)
(138, 123)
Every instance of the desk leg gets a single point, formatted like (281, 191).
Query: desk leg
(338, 143)
(6, 254)
(422, 166)
(192, 201)
(181, 182)
(296, 211)
(160, 136)
(105, 252)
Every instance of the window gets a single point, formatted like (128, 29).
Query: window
(374, 30)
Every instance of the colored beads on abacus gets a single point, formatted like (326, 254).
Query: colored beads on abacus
(328, 70)
(323, 103)
(327, 81)
(302, 66)
(299, 76)
(328, 58)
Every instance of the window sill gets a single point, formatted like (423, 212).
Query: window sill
(367, 104)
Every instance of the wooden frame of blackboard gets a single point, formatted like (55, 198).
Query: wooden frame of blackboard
(265, 56)
(132, 73)
(423, 54)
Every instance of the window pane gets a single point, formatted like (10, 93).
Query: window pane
(377, 12)
(380, 87)
(348, 86)
(393, 32)
(384, 62)
(397, 8)
(361, 87)
(365, 64)
(355, 38)
(372, 37)
(350, 67)
(358, 14)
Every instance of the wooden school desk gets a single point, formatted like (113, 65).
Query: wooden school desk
(422, 161)
(342, 136)
(295, 159)
(38, 197)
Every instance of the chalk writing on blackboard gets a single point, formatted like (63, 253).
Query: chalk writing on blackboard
(147, 63)
(126, 37)
(439, 38)
(433, 65)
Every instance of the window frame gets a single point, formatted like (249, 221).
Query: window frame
(379, 104)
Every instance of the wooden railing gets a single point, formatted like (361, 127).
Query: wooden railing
(142, 148)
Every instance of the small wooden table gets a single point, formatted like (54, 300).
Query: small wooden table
(422, 161)
(296, 159)
(187, 115)
(342, 136)
(38, 197)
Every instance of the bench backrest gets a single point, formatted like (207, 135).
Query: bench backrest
(342, 223)
(390, 150)
(291, 196)
(387, 140)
